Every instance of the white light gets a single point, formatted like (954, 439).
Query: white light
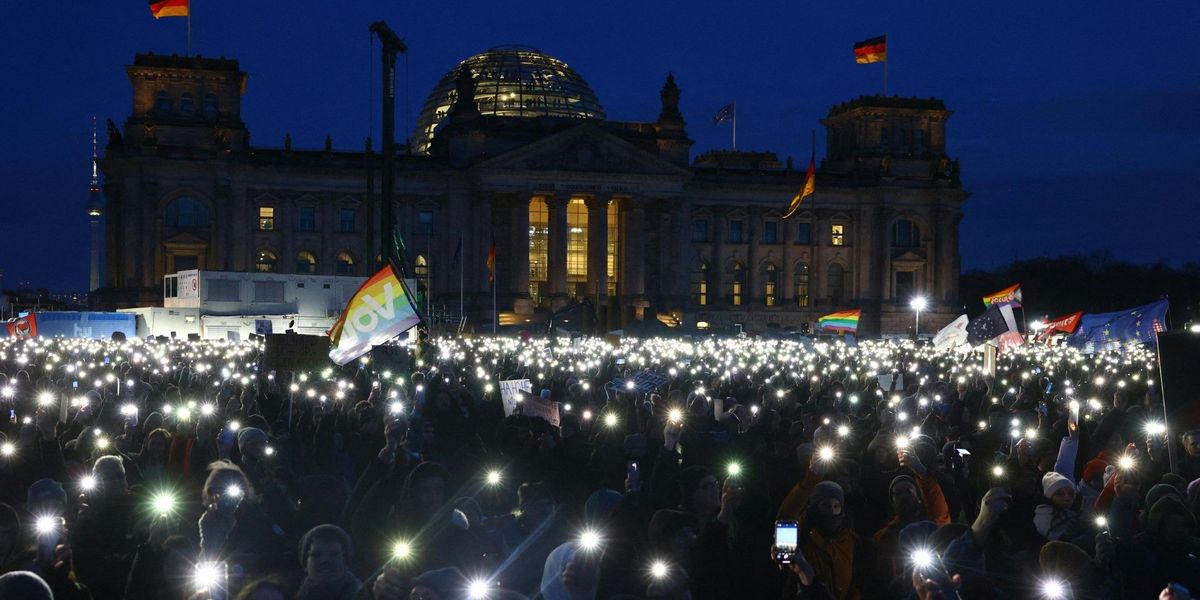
(919, 303)
(269, 451)
(207, 576)
(396, 407)
(129, 410)
(997, 471)
(477, 590)
(163, 503)
(843, 430)
(401, 550)
(587, 415)
(493, 477)
(87, 483)
(825, 453)
(674, 415)
(45, 399)
(734, 469)
(1125, 462)
(922, 558)
(1101, 521)
(1155, 428)
(1052, 589)
(589, 540)
(46, 525)
(234, 426)
(610, 419)
(102, 443)
(7, 449)
(658, 569)
(234, 491)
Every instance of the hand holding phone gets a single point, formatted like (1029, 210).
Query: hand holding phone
(787, 540)
(633, 476)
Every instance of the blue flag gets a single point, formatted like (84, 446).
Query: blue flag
(1139, 324)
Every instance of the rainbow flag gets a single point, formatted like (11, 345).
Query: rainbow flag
(845, 321)
(1009, 295)
(380, 310)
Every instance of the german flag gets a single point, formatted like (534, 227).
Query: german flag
(872, 50)
(168, 8)
(810, 187)
(491, 260)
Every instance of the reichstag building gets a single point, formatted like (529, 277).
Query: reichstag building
(513, 145)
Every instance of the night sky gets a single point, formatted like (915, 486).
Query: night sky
(1077, 124)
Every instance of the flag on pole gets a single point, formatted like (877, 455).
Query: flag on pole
(987, 326)
(491, 260)
(810, 187)
(1009, 295)
(1138, 324)
(871, 51)
(22, 328)
(457, 252)
(168, 8)
(1067, 325)
(845, 321)
(724, 114)
(952, 335)
(380, 310)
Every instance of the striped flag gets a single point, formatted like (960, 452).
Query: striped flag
(845, 321)
(168, 8)
(810, 187)
(1009, 295)
(871, 51)
(380, 310)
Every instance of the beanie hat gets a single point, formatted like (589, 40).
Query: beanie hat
(1168, 506)
(689, 479)
(1193, 490)
(1052, 482)
(898, 480)
(1176, 481)
(1094, 468)
(1068, 560)
(826, 490)
(1159, 491)
(916, 534)
(45, 489)
(246, 435)
(327, 532)
(448, 582)
(25, 585)
(600, 504)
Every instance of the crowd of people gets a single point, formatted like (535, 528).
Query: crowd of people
(663, 468)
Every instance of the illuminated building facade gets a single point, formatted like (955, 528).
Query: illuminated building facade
(513, 146)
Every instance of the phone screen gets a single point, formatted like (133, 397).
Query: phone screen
(786, 535)
(75, 384)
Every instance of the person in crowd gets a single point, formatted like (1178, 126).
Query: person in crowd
(326, 553)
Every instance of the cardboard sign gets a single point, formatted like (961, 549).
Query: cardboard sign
(536, 407)
(885, 382)
(511, 391)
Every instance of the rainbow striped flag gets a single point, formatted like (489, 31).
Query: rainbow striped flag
(1009, 295)
(845, 321)
(380, 310)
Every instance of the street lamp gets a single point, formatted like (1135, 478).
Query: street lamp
(918, 304)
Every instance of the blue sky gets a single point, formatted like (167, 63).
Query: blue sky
(1077, 125)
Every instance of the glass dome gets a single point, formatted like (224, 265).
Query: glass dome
(511, 81)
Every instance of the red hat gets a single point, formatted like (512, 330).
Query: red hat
(1094, 469)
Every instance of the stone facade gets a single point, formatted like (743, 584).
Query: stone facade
(621, 213)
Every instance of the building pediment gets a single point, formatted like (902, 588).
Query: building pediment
(584, 149)
(909, 256)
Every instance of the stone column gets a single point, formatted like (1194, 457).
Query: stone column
(633, 253)
(754, 293)
(557, 253)
(717, 294)
(597, 248)
(679, 294)
(517, 256)
(943, 289)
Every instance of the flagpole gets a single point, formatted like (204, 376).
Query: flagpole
(189, 29)
(495, 315)
(462, 311)
(885, 64)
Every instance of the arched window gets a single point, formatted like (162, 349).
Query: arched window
(162, 102)
(266, 261)
(306, 262)
(421, 267)
(803, 284)
(186, 213)
(837, 283)
(186, 103)
(737, 283)
(210, 104)
(770, 278)
(345, 263)
(700, 284)
(905, 234)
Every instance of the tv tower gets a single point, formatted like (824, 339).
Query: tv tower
(95, 209)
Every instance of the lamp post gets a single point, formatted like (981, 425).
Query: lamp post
(918, 304)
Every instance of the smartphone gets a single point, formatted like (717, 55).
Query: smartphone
(1043, 409)
(1049, 386)
(787, 538)
(212, 578)
(620, 361)
(634, 475)
(75, 385)
(49, 540)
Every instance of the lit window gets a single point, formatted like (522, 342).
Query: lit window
(837, 234)
(346, 220)
(539, 247)
(802, 284)
(577, 237)
(307, 218)
(425, 222)
(737, 232)
(700, 230)
(770, 232)
(737, 283)
(421, 267)
(345, 263)
(770, 284)
(613, 244)
(306, 262)
(266, 218)
(700, 284)
(266, 261)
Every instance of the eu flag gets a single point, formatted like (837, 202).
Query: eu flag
(1138, 324)
(987, 326)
